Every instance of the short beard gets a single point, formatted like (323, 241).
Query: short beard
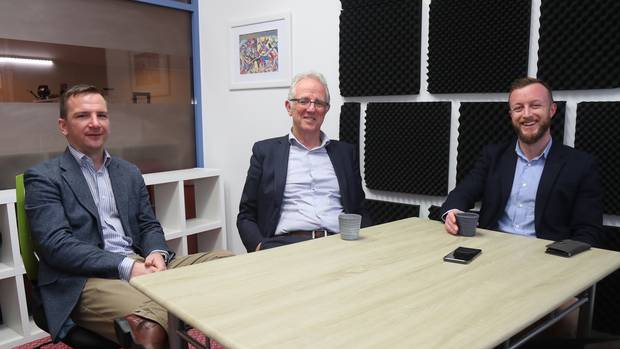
(532, 138)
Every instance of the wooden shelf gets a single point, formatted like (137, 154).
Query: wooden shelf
(198, 225)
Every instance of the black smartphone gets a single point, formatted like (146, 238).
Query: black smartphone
(462, 255)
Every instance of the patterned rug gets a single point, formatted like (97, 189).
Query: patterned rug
(194, 333)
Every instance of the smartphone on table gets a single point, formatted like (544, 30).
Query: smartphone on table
(462, 255)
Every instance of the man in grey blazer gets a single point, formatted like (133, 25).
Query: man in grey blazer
(298, 184)
(94, 229)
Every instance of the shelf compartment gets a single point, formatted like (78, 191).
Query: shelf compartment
(211, 240)
(9, 248)
(179, 245)
(208, 196)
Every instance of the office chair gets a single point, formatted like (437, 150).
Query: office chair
(77, 337)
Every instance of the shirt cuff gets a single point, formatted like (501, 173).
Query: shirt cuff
(164, 254)
(443, 216)
(124, 269)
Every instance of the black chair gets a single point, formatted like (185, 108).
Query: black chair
(78, 337)
(606, 305)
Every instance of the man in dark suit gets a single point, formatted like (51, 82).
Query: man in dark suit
(93, 229)
(532, 186)
(298, 184)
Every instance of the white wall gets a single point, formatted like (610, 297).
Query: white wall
(234, 120)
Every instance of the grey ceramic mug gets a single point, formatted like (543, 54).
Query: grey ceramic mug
(467, 222)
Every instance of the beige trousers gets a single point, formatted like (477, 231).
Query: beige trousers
(104, 300)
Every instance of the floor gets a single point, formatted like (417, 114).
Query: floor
(194, 333)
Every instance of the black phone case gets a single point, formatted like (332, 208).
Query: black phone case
(567, 248)
(462, 255)
(466, 253)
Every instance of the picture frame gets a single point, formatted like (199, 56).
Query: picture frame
(260, 52)
(150, 73)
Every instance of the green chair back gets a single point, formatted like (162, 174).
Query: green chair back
(31, 263)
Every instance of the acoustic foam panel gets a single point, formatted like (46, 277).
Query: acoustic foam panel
(407, 147)
(597, 133)
(350, 123)
(477, 46)
(380, 47)
(482, 123)
(385, 212)
(579, 46)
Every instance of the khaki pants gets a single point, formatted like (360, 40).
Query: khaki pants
(104, 300)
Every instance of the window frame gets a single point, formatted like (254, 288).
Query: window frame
(192, 8)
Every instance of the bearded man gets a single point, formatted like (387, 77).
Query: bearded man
(532, 186)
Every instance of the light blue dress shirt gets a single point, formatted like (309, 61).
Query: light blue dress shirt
(311, 193)
(518, 217)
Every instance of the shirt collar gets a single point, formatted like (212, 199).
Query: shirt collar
(542, 155)
(83, 158)
(324, 140)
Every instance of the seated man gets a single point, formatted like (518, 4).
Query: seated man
(93, 229)
(297, 185)
(532, 186)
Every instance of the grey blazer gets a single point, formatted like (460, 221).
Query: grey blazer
(67, 234)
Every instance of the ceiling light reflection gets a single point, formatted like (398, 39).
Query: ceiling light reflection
(29, 61)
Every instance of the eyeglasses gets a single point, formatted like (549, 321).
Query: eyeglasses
(305, 102)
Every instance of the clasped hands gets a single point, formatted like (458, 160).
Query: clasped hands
(152, 263)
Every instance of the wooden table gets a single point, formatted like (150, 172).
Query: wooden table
(390, 289)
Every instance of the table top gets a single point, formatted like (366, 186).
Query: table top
(389, 289)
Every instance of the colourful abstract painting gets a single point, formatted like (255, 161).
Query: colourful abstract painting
(258, 52)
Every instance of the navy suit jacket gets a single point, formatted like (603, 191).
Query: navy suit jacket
(261, 201)
(67, 234)
(568, 201)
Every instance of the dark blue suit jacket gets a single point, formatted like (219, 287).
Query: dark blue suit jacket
(568, 200)
(261, 201)
(67, 234)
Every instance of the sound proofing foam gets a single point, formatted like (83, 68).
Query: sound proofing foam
(385, 212)
(350, 123)
(597, 133)
(579, 46)
(477, 46)
(407, 147)
(482, 123)
(380, 47)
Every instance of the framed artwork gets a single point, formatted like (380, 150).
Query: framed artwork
(150, 73)
(260, 52)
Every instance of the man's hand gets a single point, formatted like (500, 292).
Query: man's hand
(450, 222)
(155, 261)
(258, 246)
(140, 268)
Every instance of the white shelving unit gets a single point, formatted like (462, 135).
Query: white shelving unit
(209, 224)
(169, 189)
(17, 327)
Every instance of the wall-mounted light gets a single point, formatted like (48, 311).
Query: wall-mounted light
(28, 61)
